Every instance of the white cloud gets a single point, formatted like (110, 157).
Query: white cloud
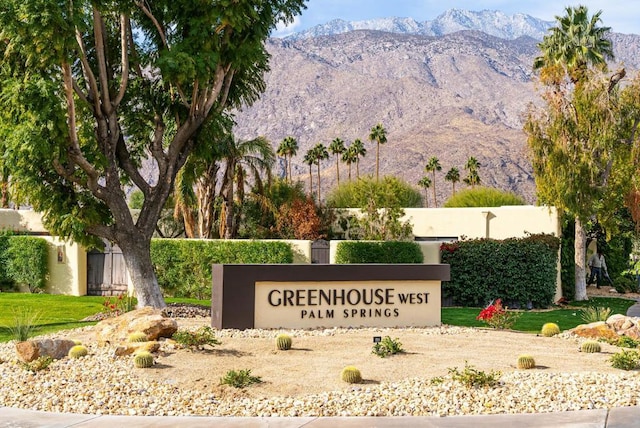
(283, 30)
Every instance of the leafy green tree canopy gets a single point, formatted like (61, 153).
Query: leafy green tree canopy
(88, 90)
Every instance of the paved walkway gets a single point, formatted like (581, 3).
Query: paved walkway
(623, 417)
(634, 311)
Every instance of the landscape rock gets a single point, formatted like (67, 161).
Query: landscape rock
(31, 350)
(132, 348)
(615, 326)
(147, 320)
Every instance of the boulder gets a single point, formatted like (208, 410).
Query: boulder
(148, 320)
(615, 326)
(31, 350)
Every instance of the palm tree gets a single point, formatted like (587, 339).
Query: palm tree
(337, 148)
(360, 151)
(425, 183)
(350, 157)
(473, 177)
(432, 166)
(242, 158)
(320, 153)
(309, 160)
(287, 149)
(573, 44)
(379, 135)
(453, 175)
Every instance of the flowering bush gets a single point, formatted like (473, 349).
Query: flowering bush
(123, 303)
(497, 316)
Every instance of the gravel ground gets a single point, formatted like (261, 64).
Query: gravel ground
(104, 384)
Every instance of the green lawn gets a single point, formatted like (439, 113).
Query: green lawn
(55, 312)
(58, 312)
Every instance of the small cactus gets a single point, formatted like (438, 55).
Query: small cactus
(526, 362)
(550, 329)
(143, 359)
(77, 341)
(78, 351)
(283, 342)
(137, 336)
(590, 347)
(350, 374)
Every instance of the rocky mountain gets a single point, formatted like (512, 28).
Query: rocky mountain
(452, 96)
(494, 23)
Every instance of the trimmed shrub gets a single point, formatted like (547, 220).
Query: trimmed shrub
(520, 271)
(26, 262)
(183, 266)
(378, 252)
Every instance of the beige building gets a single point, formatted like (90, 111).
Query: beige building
(68, 261)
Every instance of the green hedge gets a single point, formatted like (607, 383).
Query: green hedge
(183, 266)
(24, 262)
(520, 271)
(378, 252)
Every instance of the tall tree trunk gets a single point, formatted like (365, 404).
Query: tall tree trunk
(358, 168)
(318, 184)
(205, 192)
(580, 261)
(426, 197)
(377, 161)
(137, 256)
(349, 171)
(228, 201)
(289, 168)
(435, 198)
(338, 168)
(310, 180)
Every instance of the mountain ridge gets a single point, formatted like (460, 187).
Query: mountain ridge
(492, 22)
(453, 96)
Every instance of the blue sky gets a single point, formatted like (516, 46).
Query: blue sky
(621, 16)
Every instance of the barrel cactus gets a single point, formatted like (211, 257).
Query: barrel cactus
(78, 351)
(550, 329)
(283, 342)
(77, 341)
(137, 336)
(350, 374)
(143, 359)
(526, 362)
(590, 346)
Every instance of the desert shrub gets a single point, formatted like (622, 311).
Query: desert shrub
(39, 364)
(625, 342)
(626, 283)
(196, 339)
(301, 219)
(387, 346)
(24, 324)
(591, 314)
(472, 377)
(378, 252)
(239, 379)
(521, 271)
(483, 197)
(625, 360)
(388, 192)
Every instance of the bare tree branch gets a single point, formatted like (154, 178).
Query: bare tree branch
(124, 26)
